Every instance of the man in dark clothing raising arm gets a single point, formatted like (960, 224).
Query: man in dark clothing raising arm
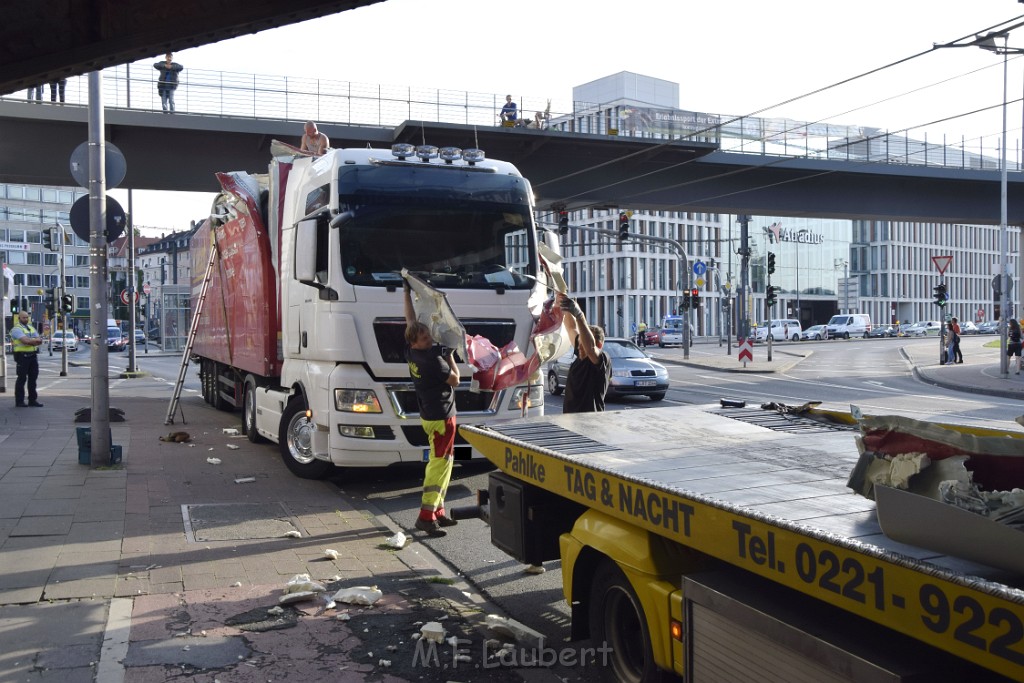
(591, 371)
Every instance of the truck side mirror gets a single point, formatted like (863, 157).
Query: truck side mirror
(305, 253)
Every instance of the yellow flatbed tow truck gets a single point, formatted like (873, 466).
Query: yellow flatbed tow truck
(723, 544)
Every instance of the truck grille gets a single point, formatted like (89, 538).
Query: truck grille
(390, 335)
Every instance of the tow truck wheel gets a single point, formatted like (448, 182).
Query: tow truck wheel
(249, 412)
(553, 386)
(617, 621)
(296, 442)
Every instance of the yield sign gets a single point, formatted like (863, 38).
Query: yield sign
(942, 262)
(746, 352)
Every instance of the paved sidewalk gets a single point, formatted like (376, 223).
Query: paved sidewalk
(165, 568)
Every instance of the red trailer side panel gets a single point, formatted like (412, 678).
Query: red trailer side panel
(239, 324)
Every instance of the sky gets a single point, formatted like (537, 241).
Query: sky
(729, 58)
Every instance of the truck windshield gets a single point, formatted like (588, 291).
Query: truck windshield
(452, 227)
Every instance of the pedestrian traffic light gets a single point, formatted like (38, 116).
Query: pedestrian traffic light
(67, 303)
(771, 262)
(623, 226)
(563, 222)
(771, 295)
(941, 296)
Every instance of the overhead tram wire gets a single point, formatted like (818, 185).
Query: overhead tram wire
(768, 108)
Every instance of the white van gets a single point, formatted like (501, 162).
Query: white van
(782, 329)
(672, 331)
(846, 325)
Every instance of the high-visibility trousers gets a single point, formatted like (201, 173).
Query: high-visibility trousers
(441, 436)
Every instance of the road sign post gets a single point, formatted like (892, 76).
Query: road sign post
(746, 351)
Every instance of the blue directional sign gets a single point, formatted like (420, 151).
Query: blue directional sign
(699, 267)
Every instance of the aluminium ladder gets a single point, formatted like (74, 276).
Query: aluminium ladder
(175, 405)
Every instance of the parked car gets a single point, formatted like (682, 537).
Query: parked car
(62, 338)
(880, 331)
(988, 327)
(968, 327)
(783, 329)
(922, 328)
(140, 337)
(633, 371)
(814, 332)
(115, 340)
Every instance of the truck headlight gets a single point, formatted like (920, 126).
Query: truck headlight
(534, 393)
(356, 401)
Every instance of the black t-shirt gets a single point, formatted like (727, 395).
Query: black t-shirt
(430, 373)
(586, 384)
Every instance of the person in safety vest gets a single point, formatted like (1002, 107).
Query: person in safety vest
(25, 343)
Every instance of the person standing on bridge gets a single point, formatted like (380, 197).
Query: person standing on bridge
(167, 82)
(313, 141)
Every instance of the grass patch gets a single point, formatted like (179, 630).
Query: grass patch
(441, 580)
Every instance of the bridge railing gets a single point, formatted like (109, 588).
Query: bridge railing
(263, 96)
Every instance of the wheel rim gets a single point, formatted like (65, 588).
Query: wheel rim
(552, 382)
(624, 632)
(300, 439)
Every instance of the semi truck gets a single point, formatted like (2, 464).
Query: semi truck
(301, 321)
(724, 543)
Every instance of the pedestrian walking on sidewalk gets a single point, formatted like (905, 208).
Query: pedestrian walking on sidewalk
(25, 343)
(1013, 342)
(953, 354)
(434, 376)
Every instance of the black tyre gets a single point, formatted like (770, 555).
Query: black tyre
(295, 438)
(617, 620)
(657, 397)
(249, 411)
(216, 400)
(553, 386)
(796, 337)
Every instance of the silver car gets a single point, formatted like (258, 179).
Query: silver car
(634, 373)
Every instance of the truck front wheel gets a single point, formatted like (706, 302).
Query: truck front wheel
(617, 622)
(296, 442)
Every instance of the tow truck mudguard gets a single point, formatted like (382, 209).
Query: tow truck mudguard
(652, 565)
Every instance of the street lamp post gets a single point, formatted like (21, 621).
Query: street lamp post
(988, 42)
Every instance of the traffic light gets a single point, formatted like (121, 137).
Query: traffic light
(771, 262)
(52, 297)
(48, 239)
(14, 306)
(771, 295)
(686, 301)
(563, 222)
(67, 303)
(695, 297)
(941, 296)
(623, 226)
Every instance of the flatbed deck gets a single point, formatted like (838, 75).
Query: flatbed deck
(767, 493)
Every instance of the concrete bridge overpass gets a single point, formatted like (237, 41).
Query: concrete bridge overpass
(182, 152)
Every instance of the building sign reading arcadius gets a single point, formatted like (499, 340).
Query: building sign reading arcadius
(778, 234)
